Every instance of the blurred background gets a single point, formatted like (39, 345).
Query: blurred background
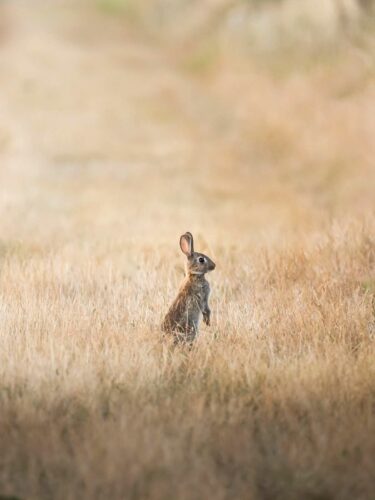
(249, 120)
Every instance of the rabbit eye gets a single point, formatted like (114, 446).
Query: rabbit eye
(201, 259)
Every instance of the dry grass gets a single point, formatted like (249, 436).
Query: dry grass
(276, 400)
(112, 143)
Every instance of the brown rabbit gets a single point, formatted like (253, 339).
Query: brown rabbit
(183, 316)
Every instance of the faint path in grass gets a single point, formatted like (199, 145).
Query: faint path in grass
(91, 114)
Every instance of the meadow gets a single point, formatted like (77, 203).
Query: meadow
(124, 124)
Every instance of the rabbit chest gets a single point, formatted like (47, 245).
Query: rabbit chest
(199, 293)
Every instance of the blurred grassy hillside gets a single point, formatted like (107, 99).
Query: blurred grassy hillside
(264, 110)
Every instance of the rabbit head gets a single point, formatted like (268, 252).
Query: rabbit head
(197, 263)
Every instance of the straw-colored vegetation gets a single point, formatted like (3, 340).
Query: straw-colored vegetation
(124, 124)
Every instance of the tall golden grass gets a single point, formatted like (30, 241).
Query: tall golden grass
(112, 143)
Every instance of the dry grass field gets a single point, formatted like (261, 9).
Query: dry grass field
(122, 125)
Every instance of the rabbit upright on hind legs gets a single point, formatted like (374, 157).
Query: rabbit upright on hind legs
(182, 319)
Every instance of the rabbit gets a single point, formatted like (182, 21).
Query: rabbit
(182, 319)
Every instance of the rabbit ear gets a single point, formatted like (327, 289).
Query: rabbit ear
(189, 235)
(187, 244)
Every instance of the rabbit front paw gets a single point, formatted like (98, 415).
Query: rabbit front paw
(207, 316)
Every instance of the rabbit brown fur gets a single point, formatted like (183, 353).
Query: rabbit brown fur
(182, 319)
